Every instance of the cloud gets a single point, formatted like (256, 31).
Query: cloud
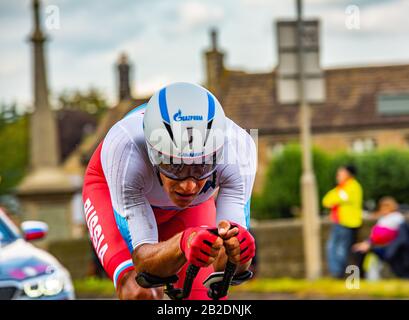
(390, 17)
(165, 39)
(187, 18)
(197, 14)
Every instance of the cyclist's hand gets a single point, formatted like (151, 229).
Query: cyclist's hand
(128, 289)
(200, 246)
(226, 230)
(241, 247)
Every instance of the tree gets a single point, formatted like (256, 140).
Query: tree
(381, 173)
(8, 113)
(280, 197)
(91, 101)
(13, 153)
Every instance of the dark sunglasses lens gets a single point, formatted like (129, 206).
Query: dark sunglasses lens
(181, 172)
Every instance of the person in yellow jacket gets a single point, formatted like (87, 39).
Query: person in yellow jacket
(345, 204)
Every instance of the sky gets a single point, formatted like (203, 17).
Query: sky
(165, 39)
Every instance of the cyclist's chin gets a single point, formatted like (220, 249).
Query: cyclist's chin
(182, 202)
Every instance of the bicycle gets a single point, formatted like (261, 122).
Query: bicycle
(217, 283)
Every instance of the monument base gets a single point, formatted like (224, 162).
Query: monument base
(47, 195)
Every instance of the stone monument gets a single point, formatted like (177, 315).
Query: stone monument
(46, 193)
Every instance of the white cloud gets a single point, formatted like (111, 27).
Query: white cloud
(165, 39)
(150, 85)
(197, 13)
(388, 17)
(194, 14)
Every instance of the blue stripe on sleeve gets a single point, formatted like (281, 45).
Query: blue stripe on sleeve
(247, 213)
(123, 227)
(138, 108)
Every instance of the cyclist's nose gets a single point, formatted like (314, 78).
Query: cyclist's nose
(188, 185)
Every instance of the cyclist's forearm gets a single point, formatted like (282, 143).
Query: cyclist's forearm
(161, 259)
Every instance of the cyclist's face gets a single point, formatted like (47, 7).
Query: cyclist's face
(182, 192)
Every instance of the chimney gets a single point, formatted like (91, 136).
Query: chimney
(124, 78)
(214, 65)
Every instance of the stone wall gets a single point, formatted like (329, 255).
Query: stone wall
(75, 255)
(280, 251)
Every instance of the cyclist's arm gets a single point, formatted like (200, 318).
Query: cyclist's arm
(236, 182)
(126, 174)
(152, 258)
(236, 185)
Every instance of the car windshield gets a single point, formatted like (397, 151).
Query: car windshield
(6, 234)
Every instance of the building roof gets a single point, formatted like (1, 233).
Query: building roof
(251, 101)
(73, 126)
(113, 115)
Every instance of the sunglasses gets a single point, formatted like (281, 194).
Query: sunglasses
(184, 171)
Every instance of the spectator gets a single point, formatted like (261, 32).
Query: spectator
(383, 233)
(345, 203)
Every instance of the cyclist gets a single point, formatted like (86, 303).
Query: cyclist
(161, 177)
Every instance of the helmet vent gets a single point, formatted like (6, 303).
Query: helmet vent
(169, 129)
(209, 126)
(190, 136)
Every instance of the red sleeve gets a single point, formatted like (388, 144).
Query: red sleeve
(107, 241)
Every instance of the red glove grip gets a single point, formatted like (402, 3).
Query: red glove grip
(196, 244)
(247, 243)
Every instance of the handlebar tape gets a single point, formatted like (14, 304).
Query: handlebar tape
(227, 278)
(191, 274)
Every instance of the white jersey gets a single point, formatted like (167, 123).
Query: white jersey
(135, 187)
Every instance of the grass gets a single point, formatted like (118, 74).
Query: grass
(94, 288)
(386, 289)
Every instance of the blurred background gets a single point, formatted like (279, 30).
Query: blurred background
(70, 69)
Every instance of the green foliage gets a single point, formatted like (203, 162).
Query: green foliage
(385, 173)
(281, 192)
(380, 173)
(325, 287)
(13, 153)
(94, 288)
(91, 101)
(8, 113)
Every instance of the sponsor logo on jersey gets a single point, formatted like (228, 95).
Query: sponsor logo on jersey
(95, 230)
(179, 117)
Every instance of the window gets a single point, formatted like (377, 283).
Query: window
(275, 150)
(363, 145)
(6, 235)
(393, 104)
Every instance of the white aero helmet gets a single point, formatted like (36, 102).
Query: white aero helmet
(184, 128)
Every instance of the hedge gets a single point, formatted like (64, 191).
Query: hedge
(380, 172)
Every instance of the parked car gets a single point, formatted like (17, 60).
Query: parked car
(27, 272)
